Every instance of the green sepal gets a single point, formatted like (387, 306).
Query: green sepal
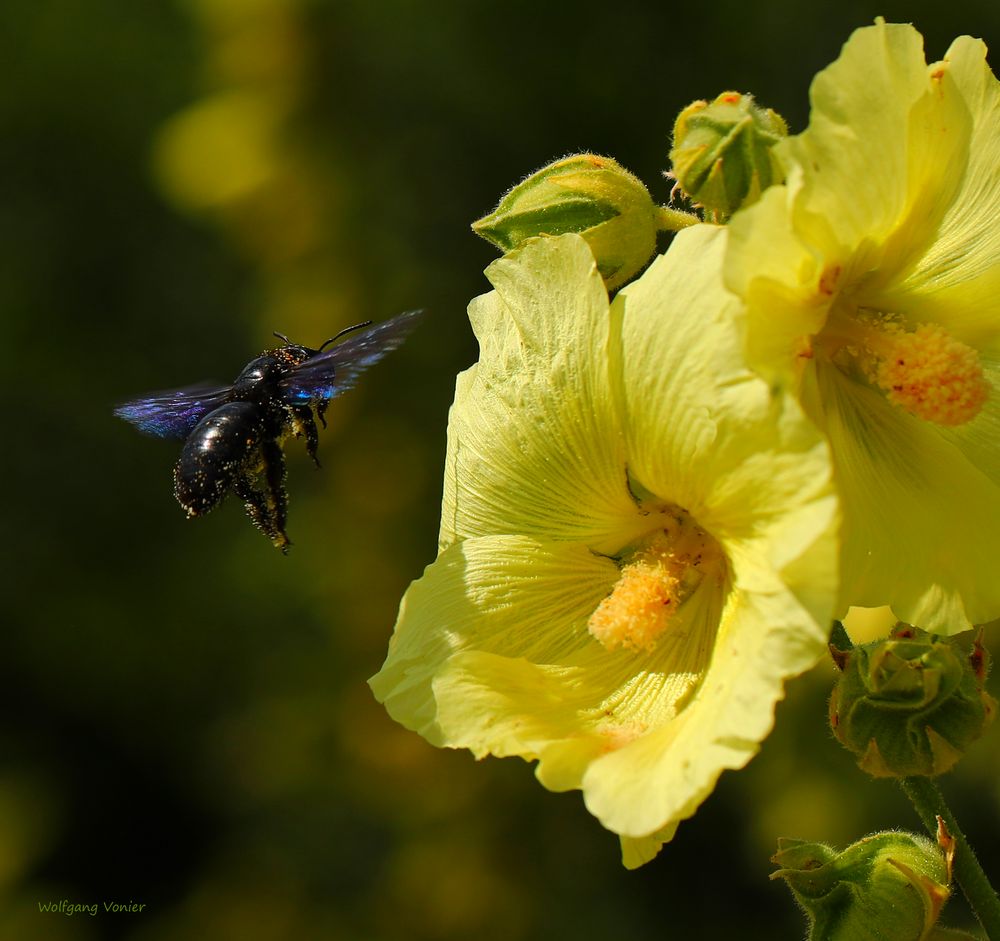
(889, 886)
(911, 704)
(722, 154)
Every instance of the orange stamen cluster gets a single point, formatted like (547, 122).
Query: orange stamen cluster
(932, 375)
(650, 589)
(924, 371)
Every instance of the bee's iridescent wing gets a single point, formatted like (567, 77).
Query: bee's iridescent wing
(328, 374)
(175, 412)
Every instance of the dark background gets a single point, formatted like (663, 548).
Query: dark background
(184, 719)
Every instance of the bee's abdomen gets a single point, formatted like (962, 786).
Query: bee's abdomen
(219, 447)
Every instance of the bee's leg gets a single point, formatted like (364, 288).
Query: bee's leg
(321, 411)
(304, 424)
(273, 460)
(255, 503)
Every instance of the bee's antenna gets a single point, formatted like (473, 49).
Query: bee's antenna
(357, 326)
(281, 336)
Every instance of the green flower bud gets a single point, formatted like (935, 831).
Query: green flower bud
(590, 195)
(911, 704)
(887, 887)
(722, 155)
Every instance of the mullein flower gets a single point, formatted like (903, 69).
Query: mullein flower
(636, 540)
(872, 283)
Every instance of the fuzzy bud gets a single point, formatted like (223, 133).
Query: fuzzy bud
(587, 194)
(722, 156)
(911, 704)
(886, 887)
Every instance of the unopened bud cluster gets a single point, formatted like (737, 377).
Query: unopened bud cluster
(911, 704)
(722, 156)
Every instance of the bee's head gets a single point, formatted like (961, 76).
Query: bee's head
(297, 352)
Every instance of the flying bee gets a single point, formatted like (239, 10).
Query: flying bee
(234, 435)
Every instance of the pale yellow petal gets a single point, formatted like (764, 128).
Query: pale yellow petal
(662, 777)
(869, 182)
(500, 593)
(671, 321)
(957, 281)
(534, 443)
(921, 522)
(497, 627)
(566, 708)
(777, 276)
(979, 439)
(521, 674)
(882, 156)
(707, 434)
(637, 851)
(491, 654)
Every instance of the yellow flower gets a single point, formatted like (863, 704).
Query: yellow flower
(635, 541)
(872, 278)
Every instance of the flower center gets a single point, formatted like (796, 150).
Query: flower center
(657, 576)
(924, 371)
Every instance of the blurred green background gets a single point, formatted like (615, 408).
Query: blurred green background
(184, 720)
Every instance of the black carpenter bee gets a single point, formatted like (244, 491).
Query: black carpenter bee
(234, 435)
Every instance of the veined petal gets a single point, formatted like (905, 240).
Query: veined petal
(492, 642)
(487, 594)
(491, 653)
(671, 321)
(919, 519)
(893, 193)
(707, 434)
(868, 184)
(957, 282)
(534, 443)
(776, 275)
(979, 439)
(881, 159)
(566, 707)
(763, 639)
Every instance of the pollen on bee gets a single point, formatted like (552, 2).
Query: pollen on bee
(932, 375)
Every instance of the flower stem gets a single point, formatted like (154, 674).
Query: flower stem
(673, 220)
(930, 804)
